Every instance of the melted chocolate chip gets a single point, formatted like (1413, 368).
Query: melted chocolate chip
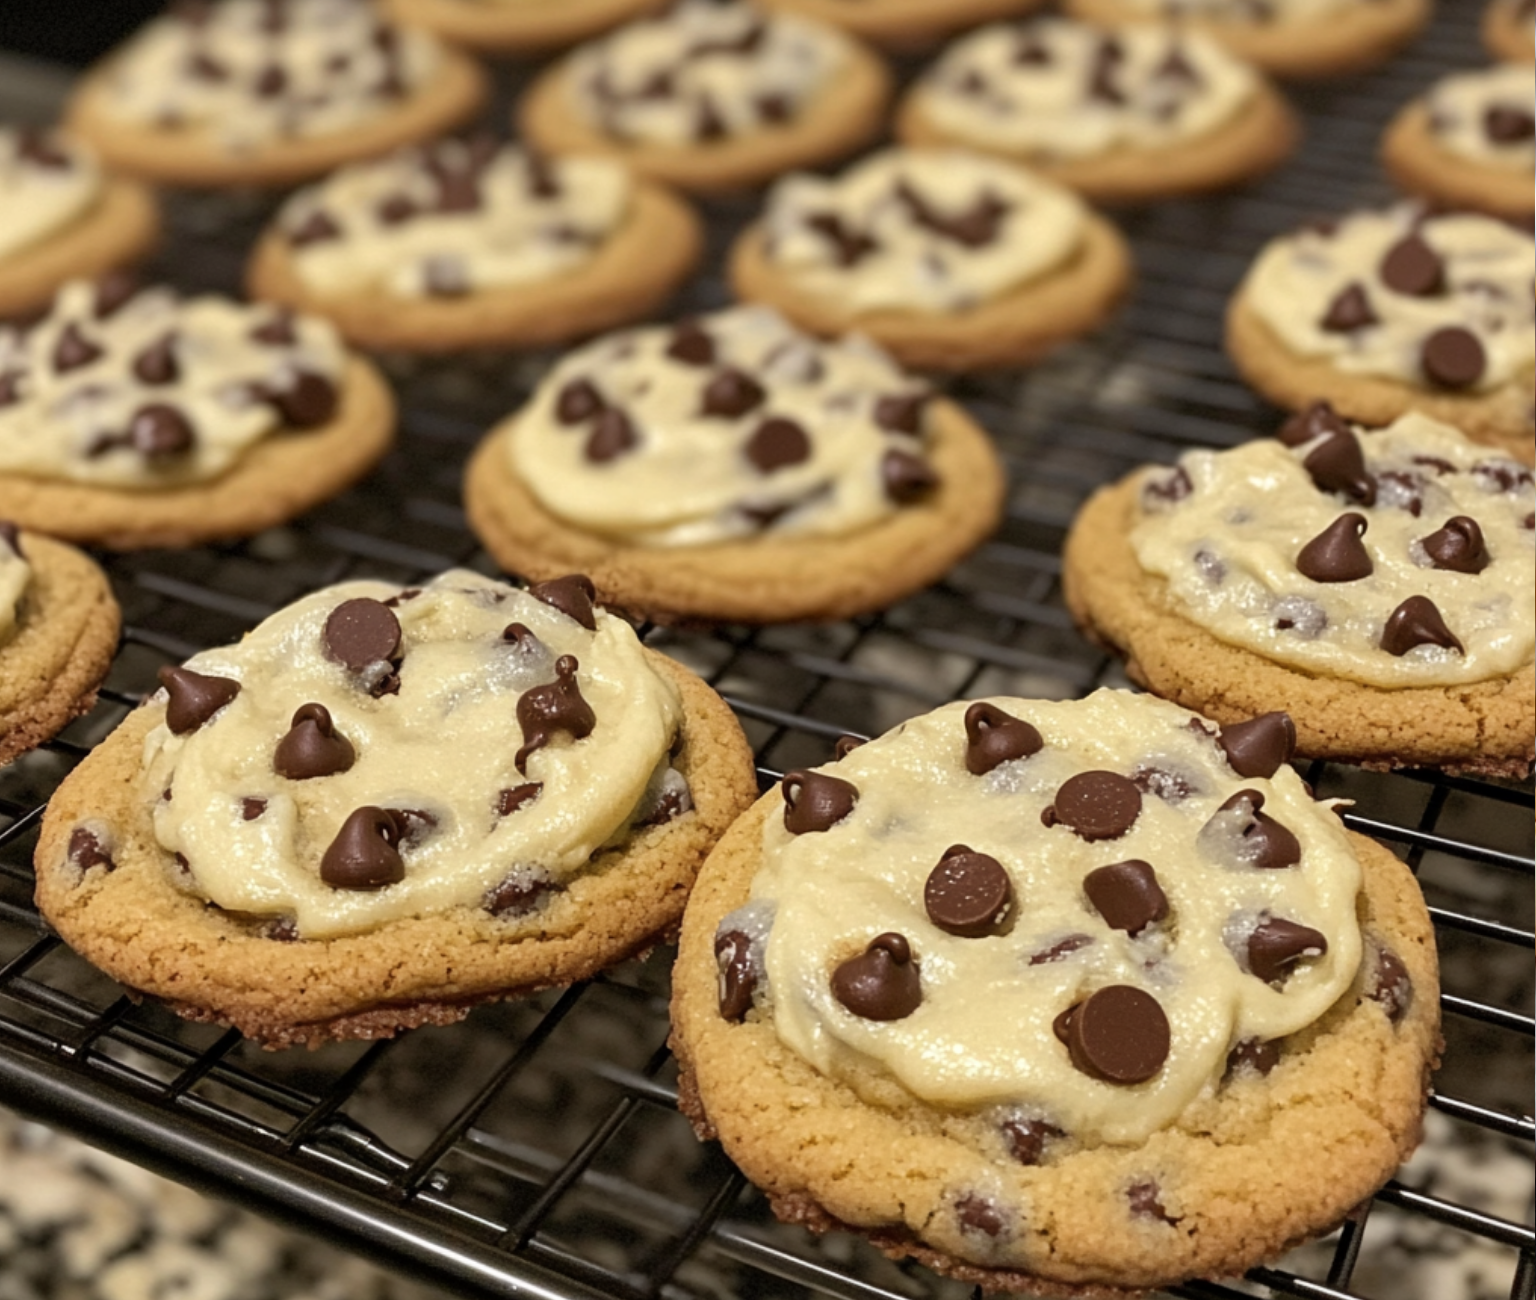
(577, 402)
(157, 363)
(907, 478)
(976, 227)
(731, 393)
(1026, 1138)
(846, 745)
(360, 632)
(968, 894)
(691, 344)
(1391, 985)
(1413, 268)
(777, 444)
(519, 894)
(738, 974)
(317, 228)
(73, 350)
(1452, 357)
(1256, 749)
(902, 412)
(976, 1213)
(1506, 124)
(192, 698)
(1349, 311)
(159, 431)
(516, 634)
(113, 291)
(1061, 950)
(1168, 786)
(1095, 805)
(252, 807)
(1257, 1055)
(1277, 945)
(306, 401)
(1146, 1202)
(1316, 421)
(312, 746)
(1501, 476)
(1338, 465)
(1119, 1034)
(1417, 621)
(612, 435)
(365, 854)
(1126, 895)
(1258, 839)
(1458, 546)
(1337, 554)
(572, 595)
(814, 801)
(849, 246)
(993, 737)
(545, 711)
(509, 801)
(882, 982)
(85, 851)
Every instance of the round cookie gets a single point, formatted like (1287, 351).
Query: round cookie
(909, 25)
(494, 249)
(912, 1087)
(747, 97)
(1351, 311)
(60, 646)
(976, 264)
(186, 422)
(513, 27)
(1127, 115)
(64, 219)
(241, 93)
(1325, 38)
(388, 922)
(1352, 676)
(820, 498)
(1507, 29)
(1468, 143)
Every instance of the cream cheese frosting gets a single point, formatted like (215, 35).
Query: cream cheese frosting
(147, 391)
(15, 575)
(451, 218)
(980, 1034)
(1225, 530)
(433, 730)
(1370, 291)
(1060, 89)
(724, 427)
(1486, 116)
(920, 230)
(46, 183)
(701, 72)
(249, 72)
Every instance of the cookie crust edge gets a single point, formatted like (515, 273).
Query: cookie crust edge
(514, 31)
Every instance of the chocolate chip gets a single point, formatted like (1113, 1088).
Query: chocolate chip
(1256, 749)
(738, 974)
(516, 634)
(1306, 618)
(849, 246)
(1126, 895)
(1452, 357)
(993, 737)
(395, 209)
(902, 412)
(1337, 554)
(1177, 67)
(882, 982)
(1276, 945)
(1458, 546)
(1026, 1138)
(252, 807)
(707, 122)
(458, 192)
(577, 402)
(968, 894)
(281, 929)
(317, 228)
(192, 698)
(509, 801)
(1505, 124)
(1391, 985)
(1337, 464)
(312, 746)
(611, 437)
(1350, 310)
(10, 387)
(1413, 268)
(1167, 489)
(1240, 830)
(364, 855)
(1253, 1054)
(277, 332)
(846, 745)
(35, 147)
(305, 401)
(673, 803)
(572, 595)
(360, 632)
(773, 108)
(113, 291)
(157, 363)
(907, 478)
(1316, 421)
(980, 1214)
(73, 350)
(159, 431)
(545, 711)
(691, 344)
(11, 535)
(1061, 950)
(778, 443)
(1107, 58)
(1168, 786)
(1417, 621)
(1501, 476)
(85, 850)
(1119, 1034)
(1029, 50)
(976, 227)
(519, 894)
(814, 801)
(1095, 805)
(1146, 1202)
(731, 393)
(1401, 490)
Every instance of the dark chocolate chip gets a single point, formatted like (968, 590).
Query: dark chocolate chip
(691, 344)
(907, 478)
(673, 803)
(731, 393)
(1458, 546)
(277, 332)
(365, 854)
(509, 801)
(612, 435)
(1146, 1202)
(1413, 268)
(882, 982)
(519, 894)
(113, 291)
(1277, 945)
(516, 634)
(360, 632)
(1095, 805)
(1254, 1054)
(252, 807)
(707, 122)
(1506, 124)
(1501, 476)
(976, 227)
(1316, 421)
(849, 246)
(577, 402)
(11, 535)
(1170, 787)
(545, 711)
(1256, 749)
(1026, 1138)
(1350, 310)
(1417, 621)
(774, 108)
(777, 444)
(993, 737)
(738, 974)
(73, 350)
(846, 745)
(10, 387)
(1126, 895)
(1337, 554)
(981, 1214)
(305, 401)
(1177, 67)
(159, 431)
(1107, 58)
(271, 81)
(317, 228)
(1061, 950)
(1029, 50)
(572, 595)
(968, 894)
(1166, 489)
(1260, 841)
(1337, 464)
(157, 363)
(312, 746)
(1452, 357)
(1119, 1034)
(814, 801)
(281, 929)
(902, 412)
(1391, 985)
(192, 698)
(85, 851)
(1401, 490)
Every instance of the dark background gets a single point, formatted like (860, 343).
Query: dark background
(70, 31)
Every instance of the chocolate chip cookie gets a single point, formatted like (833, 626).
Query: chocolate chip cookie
(908, 25)
(512, 27)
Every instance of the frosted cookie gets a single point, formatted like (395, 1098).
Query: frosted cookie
(1135, 113)
(132, 418)
(948, 260)
(1382, 312)
(1470, 142)
(1375, 585)
(710, 97)
(731, 468)
(58, 633)
(386, 804)
(268, 92)
(64, 218)
(518, 26)
(1058, 997)
(1290, 38)
(462, 243)
(1508, 26)
(912, 25)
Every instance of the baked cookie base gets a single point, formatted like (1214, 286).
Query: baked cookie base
(278, 478)
(1500, 418)
(514, 28)
(1256, 141)
(1338, 44)
(767, 580)
(1265, 1165)
(1482, 729)
(1505, 36)
(630, 275)
(133, 923)
(120, 227)
(1417, 163)
(65, 637)
(1012, 329)
(847, 115)
(907, 25)
(177, 157)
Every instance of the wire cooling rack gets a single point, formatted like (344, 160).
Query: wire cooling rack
(535, 1150)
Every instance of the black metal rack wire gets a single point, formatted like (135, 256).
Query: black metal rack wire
(535, 1150)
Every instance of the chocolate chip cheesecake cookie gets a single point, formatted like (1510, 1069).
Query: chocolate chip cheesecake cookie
(1375, 584)
(908, 25)
(518, 26)
(732, 468)
(1508, 28)
(386, 804)
(1058, 997)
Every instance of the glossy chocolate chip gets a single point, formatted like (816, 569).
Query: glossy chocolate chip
(1259, 840)
(306, 401)
(114, 291)
(612, 435)
(1026, 1138)
(846, 745)
(738, 974)
(1412, 267)
(157, 363)
(1452, 357)
(1127, 895)
(360, 632)
(968, 894)
(1277, 945)
(545, 711)
(85, 850)
(509, 801)
(1458, 546)
(252, 807)
(1338, 465)
(691, 344)
(1417, 621)
(1061, 949)
(1337, 554)
(312, 746)
(192, 698)
(1146, 1202)
(993, 737)
(1316, 421)
(318, 227)
(1257, 749)
(159, 431)
(977, 1213)
(814, 801)
(577, 402)
(572, 595)
(73, 350)
(907, 478)
(902, 412)
(777, 444)
(1506, 124)
(882, 982)
(519, 894)
(1256, 1055)
(1349, 311)
(1119, 1034)
(365, 854)
(1391, 985)
(731, 393)
(1095, 805)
